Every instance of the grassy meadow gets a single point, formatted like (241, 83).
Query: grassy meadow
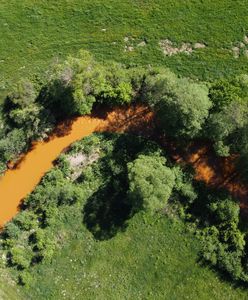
(155, 258)
(34, 34)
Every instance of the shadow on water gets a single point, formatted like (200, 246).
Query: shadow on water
(62, 129)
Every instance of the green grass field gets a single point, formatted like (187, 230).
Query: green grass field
(36, 33)
(155, 258)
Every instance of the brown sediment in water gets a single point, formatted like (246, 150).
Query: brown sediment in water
(217, 172)
(22, 178)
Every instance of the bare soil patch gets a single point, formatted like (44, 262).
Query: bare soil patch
(169, 48)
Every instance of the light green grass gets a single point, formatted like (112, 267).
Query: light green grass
(35, 33)
(8, 288)
(155, 258)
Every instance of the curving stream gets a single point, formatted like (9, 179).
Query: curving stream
(18, 182)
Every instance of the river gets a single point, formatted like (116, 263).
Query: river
(20, 181)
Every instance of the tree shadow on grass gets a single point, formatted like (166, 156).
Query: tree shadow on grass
(106, 212)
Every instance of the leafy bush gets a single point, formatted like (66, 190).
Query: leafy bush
(224, 127)
(224, 248)
(20, 257)
(183, 185)
(225, 210)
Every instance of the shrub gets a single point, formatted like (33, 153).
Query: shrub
(25, 278)
(20, 256)
(225, 210)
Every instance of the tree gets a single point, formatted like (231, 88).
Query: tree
(225, 127)
(117, 89)
(242, 162)
(225, 210)
(21, 256)
(222, 93)
(77, 84)
(181, 105)
(23, 94)
(224, 248)
(33, 119)
(225, 91)
(150, 182)
(25, 278)
(73, 86)
(228, 118)
(183, 185)
(12, 145)
(24, 112)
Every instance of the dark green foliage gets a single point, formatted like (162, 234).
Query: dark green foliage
(117, 89)
(183, 185)
(12, 145)
(224, 247)
(73, 86)
(225, 127)
(20, 257)
(228, 119)
(22, 96)
(23, 120)
(81, 81)
(23, 111)
(224, 91)
(224, 210)
(223, 242)
(25, 278)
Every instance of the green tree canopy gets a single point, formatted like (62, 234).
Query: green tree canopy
(73, 86)
(226, 126)
(181, 105)
(224, 91)
(150, 182)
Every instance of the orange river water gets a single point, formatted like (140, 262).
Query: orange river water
(21, 180)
